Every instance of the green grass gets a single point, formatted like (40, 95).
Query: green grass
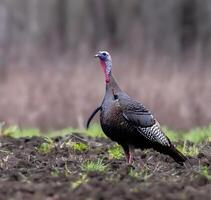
(78, 146)
(115, 152)
(16, 132)
(62, 132)
(196, 135)
(55, 173)
(204, 171)
(46, 147)
(143, 173)
(135, 174)
(189, 150)
(94, 131)
(94, 166)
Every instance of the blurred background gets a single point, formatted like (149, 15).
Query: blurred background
(161, 51)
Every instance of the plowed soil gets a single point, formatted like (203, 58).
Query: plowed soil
(26, 173)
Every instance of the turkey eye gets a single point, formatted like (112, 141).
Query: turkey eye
(104, 54)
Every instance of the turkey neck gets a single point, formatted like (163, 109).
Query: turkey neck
(110, 100)
(112, 88)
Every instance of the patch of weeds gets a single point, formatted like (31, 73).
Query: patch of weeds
(78, 146)
(95, 131)
(81, 180)
(189, 150)
(47, 146)
(143, 174)
(115, 152)
(16, 132)
(55, 173)
(133, 173)
(94, 166)
(204, 171)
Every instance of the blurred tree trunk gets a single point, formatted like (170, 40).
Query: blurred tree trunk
(5, 38)
(62, 7)
(146, 27)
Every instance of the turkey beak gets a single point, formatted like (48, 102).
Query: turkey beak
(97, 55)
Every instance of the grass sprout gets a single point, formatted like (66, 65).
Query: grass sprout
(55, 173)
(143, 174)
(78, 146)
(204, 171)
(189, 150)
(94, 166)
(135, 174)
(115, 152)
(47, 146)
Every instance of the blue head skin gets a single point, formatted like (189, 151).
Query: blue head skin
(106, 63)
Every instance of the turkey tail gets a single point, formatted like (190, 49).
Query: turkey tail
(172, 152)
(176, 155)
(91, 116)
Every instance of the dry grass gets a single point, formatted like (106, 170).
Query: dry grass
(61, 93)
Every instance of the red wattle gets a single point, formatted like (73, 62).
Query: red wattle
(103, 64)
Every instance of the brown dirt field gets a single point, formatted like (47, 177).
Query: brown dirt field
(25, 173)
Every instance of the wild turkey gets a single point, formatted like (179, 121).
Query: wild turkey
(127, 121)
